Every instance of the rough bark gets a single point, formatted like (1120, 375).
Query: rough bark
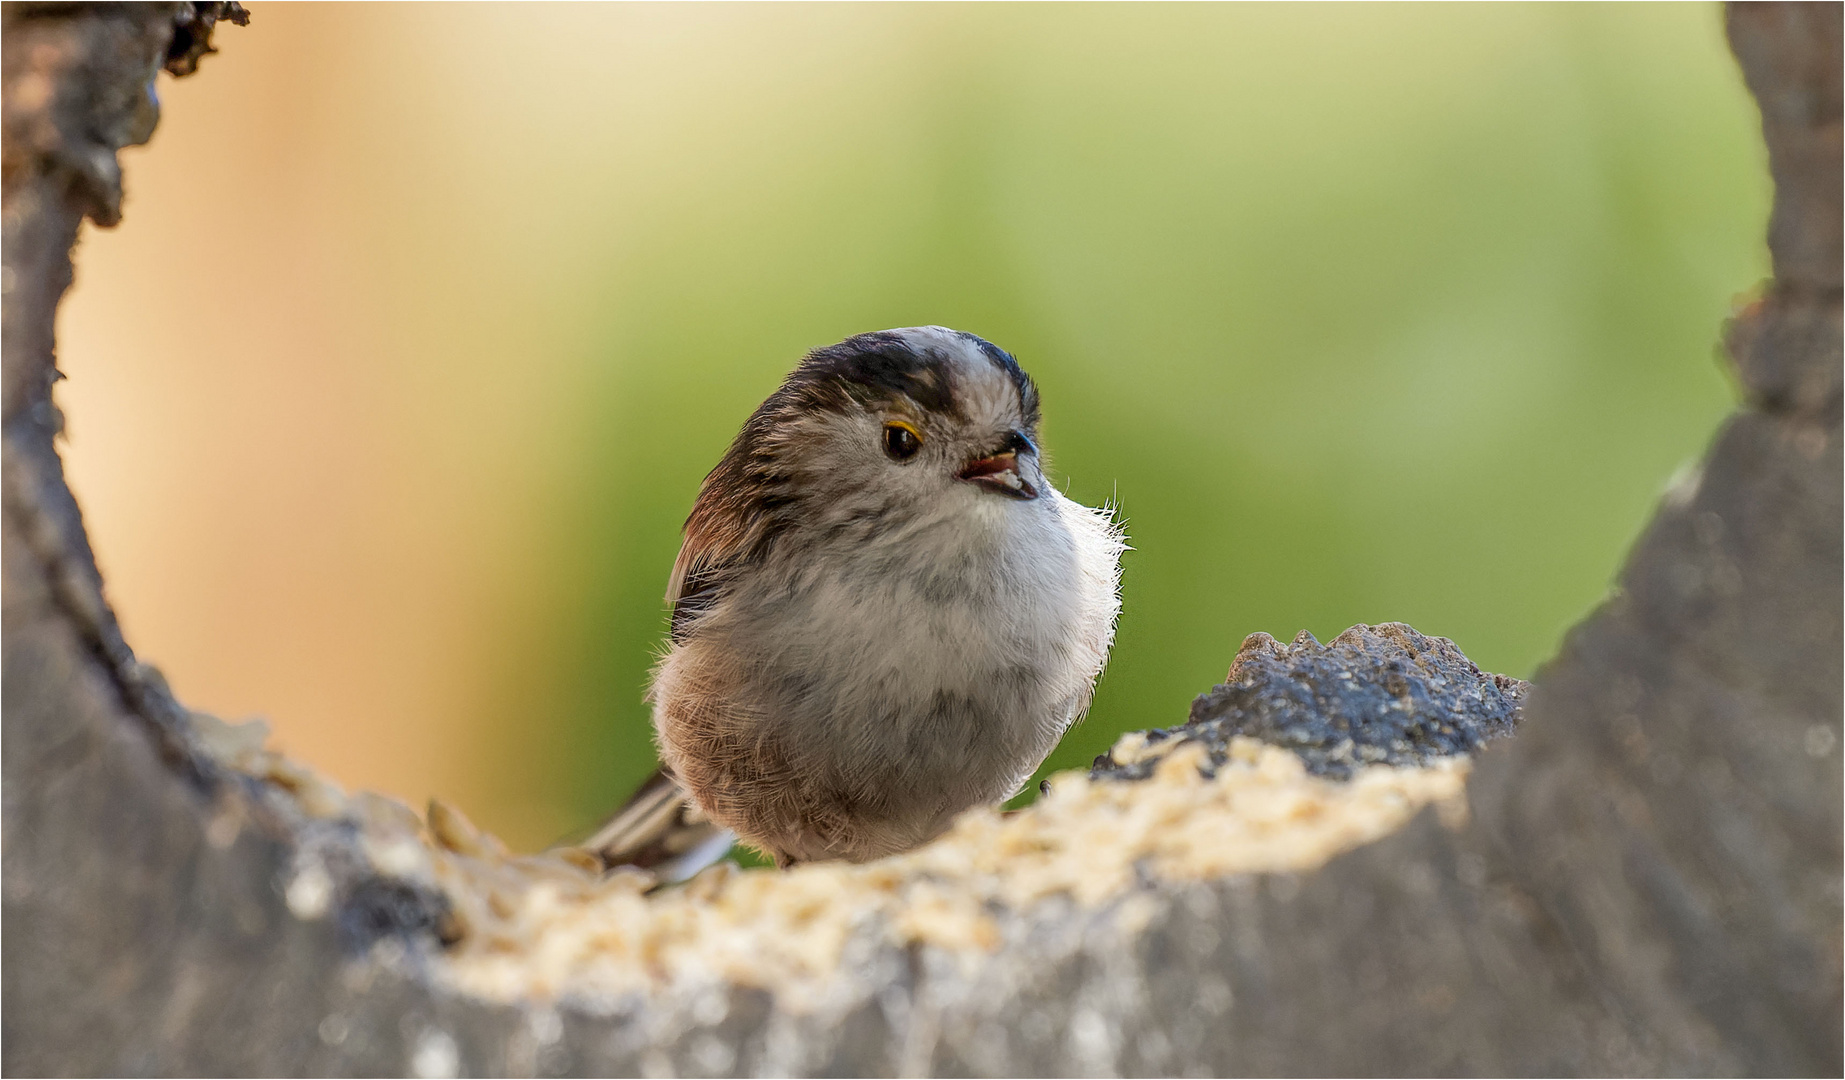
(1649, 881)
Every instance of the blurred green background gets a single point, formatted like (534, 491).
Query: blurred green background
(1359, 313)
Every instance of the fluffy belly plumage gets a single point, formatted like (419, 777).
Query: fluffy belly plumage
(853, 715)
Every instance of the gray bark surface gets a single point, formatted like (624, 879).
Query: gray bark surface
(1650, 881)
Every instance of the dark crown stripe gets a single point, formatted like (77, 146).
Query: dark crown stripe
(1006, 362)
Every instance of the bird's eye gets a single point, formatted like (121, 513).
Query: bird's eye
(901, 441)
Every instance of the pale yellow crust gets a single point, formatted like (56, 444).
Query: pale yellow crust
(1095, 842)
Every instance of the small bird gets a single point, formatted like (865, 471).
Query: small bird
(883, 613)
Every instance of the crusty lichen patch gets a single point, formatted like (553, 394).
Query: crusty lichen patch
(1197, 803)
(539, 928)
(550, 927)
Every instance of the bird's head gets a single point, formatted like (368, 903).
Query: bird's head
(896, 417)
(868, 439)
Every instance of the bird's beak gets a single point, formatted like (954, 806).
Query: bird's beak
(1000, 473)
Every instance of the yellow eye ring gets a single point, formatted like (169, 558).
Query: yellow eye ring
(901, 440)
